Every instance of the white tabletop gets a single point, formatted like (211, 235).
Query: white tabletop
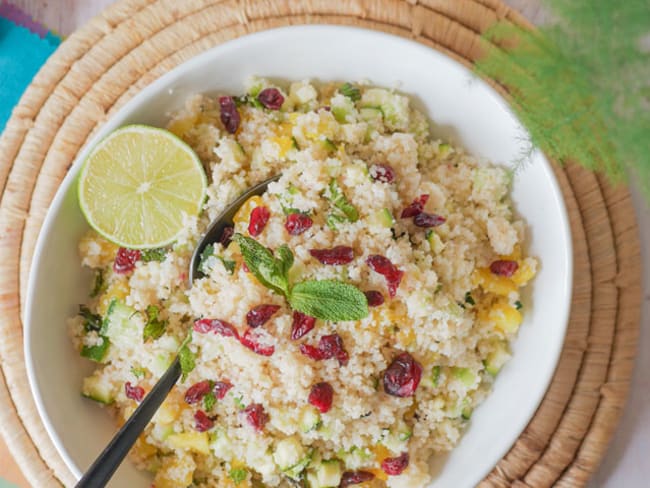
(626, 464)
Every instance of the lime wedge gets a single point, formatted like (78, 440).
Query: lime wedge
(138, 186)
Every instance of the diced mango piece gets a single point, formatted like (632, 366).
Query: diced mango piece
(525, 272)
(143, 449)
(97, 252)
(406, 335)
(193, 441)
(515, 255)
(168, 412)
(284, 129)
(180, 127)
(175, 471)
(285, 143)
(244, 212)
(118, 290)
(491, 283)
(504, 317)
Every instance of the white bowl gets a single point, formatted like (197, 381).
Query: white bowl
(464, 109)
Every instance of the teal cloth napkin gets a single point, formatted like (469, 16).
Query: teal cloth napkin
(24, 47)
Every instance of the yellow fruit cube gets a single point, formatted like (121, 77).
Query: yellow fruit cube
(515, 255)
(193, 441)
(175, 471)
(180, 127)
(117, 290)
(525, 272)
(244, 212)
(505, 317)
(405, 336)
(491, 283)
(168, 412)
(285, 143)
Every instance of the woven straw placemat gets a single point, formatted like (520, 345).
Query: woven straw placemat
(102, 65)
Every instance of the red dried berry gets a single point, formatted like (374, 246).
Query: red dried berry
(133, 392)
(374, 297)
(416, 207)
(245, 268)
(259, 218)
(125, 260)
(256, 416)
(250, 340)
(382, 172)
(220, 327)
(402, 377)
(229, 114)
(297, 223)
(394, 466)
(197, 391)
(226, 236)
(504, 267)
(427, 220)
(321, 396)
(202, 422)
(220, 389)
(355, 478)
(312, 352)
(384, 267)
(261, 314)
(301, 325)
(332, 347)
(271, 98)
(333, 256)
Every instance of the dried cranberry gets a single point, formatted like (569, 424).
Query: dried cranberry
(394, 466)
(504, 267)
(260, 314)
(321, 396)
(256, 416)
(133, 392)
(271, 98)
(427, 220)
(125, 260)
(220, 327)
(312, 352)
(250, 340)
(355, 478)
(259, 218)
(374, 297)
(226, 236)
(229, 114)
(220, 389)
(202, 422)
(332, 347)
(416, 207)
(301, 325)
(382, 172)
(333, 256)
(297, 223)
(197, 391)
(403, 375)
(384, 267)
(245, 268)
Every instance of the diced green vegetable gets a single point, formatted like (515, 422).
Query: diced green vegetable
(120, 325)
(228, 264)
(239, 403)
(309, 419)
(469, 299)
(92, 321)
(238, 475)
(435, 243)
(383, 218)
(328, 145)
(518, 305)
(138, 372)
(342, 109)
(329, 473)
(465, 375)
(209, 401)
(497, 358)
(435, 376)
(97, 387)
(466, 412)
(157, 254)
(221, 444)
(371, 114)
(204, 265)
(394, 107)
(288, 452)
(343, 209)
(98, 352)
(350, 91)
(444, 150)
(405, 436)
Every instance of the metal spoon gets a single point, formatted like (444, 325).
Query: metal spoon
(101, 471)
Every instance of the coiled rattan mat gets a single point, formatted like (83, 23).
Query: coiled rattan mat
(101, 66)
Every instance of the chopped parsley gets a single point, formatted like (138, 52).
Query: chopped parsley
(518, 305)
(350, 91)
(469, 299)
(238, 402)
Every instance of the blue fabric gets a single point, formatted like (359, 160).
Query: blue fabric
(22, 53)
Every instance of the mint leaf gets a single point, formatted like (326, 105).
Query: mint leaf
(96, 353)
(228, 264)
(186, 357)
(207, 253)
(329, 300)
(92, 321)
(238, 475)
(148, 255)
(138, 372)
(239, 403)
(271, 272)
(154, 327)
(99, 285)
(208, 401)
(343, 209)
(350, 91)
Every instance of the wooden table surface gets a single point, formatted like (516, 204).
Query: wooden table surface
(626, 463)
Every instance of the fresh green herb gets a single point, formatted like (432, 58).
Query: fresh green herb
(518, 305)
(375, 382)
(92, 321)
(138, 372)
(405, 436)
(208, 401)
(329, 145)
(99, 285)
(325, 299)
(228, 264)
(98, 352)
(289, 210)
(238, 475)
(293, 190)
(469, 299)
(186, 357)
(157, 254)
(333, 220)
(239, 403)
(206, 254)
(438, 288)
(343, 209)
(329, 300)
(350, 91)
(294, 141)
(154, 328)
(435, 375)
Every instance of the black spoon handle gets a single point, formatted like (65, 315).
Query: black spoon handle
(112, 456)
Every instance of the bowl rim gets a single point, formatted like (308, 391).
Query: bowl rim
(165, 81)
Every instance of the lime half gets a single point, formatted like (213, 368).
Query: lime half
(138, 186)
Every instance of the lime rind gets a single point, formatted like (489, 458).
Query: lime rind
(156, 216)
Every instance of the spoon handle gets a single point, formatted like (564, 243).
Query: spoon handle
(112, 456)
